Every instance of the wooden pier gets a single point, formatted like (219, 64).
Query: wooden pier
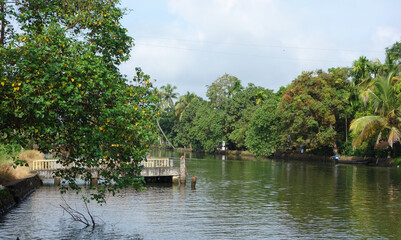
(154, 169)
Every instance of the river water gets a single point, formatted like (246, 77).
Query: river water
(234, 199)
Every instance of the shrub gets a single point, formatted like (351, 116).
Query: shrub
(397, 161)
(6, 173)
(31, 155)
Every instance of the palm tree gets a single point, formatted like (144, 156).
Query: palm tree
(387, 119)
(183, 103)
(166, 97)
(360, 70)
(375, 67)
(169, 95)
(159, 94)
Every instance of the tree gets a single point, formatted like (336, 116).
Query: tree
(168, 95)
(360, 70)
(238, 111)
(313, 109)
(386, 122)
(186, 135)
(183, 103)
(208, 127)
(222, 89)
(60, 87)
(259, 97)
(5, 17)
(394, 53)
(263, 137)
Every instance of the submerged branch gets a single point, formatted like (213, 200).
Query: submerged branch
(78, 216)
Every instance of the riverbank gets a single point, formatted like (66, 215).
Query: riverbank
(16, 191)
(246, 155)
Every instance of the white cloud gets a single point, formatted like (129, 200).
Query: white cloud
(266, 42)
(231, 19)
(386, 36)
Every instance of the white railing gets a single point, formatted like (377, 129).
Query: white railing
(53, 165)
(46, 165)
(157, 162)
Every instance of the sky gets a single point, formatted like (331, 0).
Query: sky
(191, 43)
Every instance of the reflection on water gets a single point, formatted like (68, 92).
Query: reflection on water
(234, 199)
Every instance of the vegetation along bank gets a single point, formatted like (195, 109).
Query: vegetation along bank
(346, 111)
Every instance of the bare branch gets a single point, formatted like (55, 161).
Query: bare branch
(78, 216)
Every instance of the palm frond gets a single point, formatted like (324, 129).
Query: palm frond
(394, 136)
(357, 125)
(379, 138)
(365, 127)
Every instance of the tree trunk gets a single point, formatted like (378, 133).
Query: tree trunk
(346, 128)
(3, 23)
(161, 130)
(335, 149)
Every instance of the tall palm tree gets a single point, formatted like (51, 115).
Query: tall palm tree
(375, 67)
(183, 103)
(166, 97)
(360, 69)
(386, 122)
(159, 94)
(169, 95)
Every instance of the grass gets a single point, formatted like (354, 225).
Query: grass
(8, 173)
(31, 155)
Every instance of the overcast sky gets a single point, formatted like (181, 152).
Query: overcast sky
(190, 43)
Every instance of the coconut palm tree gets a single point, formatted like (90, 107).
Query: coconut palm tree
(159, 94)
(375, 67)
(169, 95)
(184, 102)
(386, 100)
(164, 103)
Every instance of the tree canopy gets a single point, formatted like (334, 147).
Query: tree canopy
(314, 111)
(312, 108)
(60, 89)
(222, 89)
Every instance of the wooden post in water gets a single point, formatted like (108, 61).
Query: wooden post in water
(57, 181)
(182, 170)
(193, 182)
(175, 179)
(94, 181)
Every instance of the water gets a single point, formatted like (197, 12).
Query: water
(234, 199)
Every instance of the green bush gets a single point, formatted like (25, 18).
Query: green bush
(9, 150)
(397, 161)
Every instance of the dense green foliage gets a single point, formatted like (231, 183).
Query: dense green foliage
(313, 112)
(313, 109)
(263, 135)
(61, 90)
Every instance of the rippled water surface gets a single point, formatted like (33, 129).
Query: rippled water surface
(234, 199)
